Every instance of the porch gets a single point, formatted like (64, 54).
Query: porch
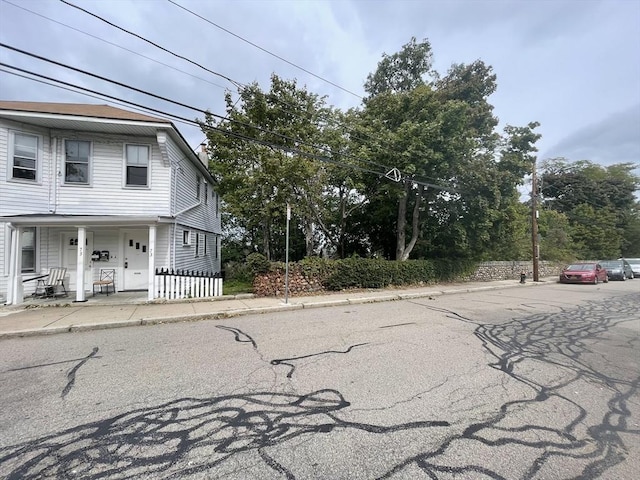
(119, 298)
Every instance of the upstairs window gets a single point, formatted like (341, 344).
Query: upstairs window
(137, 165)
(25, 157)
(76, 166)
(198, 183)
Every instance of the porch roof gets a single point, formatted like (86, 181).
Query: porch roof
(55, 220)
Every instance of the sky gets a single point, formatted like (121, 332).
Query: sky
(573, 66)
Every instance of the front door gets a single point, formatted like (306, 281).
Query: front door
(136, 260)
(70, 259)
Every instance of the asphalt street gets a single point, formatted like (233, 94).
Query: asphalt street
(535, 383)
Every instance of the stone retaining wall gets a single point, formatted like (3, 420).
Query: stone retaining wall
(272, 284)
(488, 271)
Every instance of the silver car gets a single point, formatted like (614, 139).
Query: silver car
(635, 265)
(617, 269)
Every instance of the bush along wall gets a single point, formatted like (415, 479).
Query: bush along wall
(314, 275)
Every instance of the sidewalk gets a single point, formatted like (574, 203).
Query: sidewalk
(122, 310)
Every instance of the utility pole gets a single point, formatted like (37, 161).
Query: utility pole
(286, 271)
(534, 222)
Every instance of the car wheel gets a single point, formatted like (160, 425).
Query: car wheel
(624, 277)
(606, 279)
(595, 280)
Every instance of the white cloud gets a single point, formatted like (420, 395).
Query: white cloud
(572, 65)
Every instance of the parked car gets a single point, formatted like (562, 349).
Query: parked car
(587, 272)
(635, 265)
(617, 269)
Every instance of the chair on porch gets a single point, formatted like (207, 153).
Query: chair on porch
(107, 279)
(50, 285)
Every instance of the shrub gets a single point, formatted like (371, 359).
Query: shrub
(258, 263)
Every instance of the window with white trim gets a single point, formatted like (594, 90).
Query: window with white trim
(198, 186)
(197, 249)
(205, 245)
(137, 157)
(25, 157)
(28, 249)
(76, 162)
(186, 237)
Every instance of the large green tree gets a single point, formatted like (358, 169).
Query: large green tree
(457, 192)
(598, 202)
(284, 146)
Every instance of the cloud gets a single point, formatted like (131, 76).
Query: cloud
(616, 139)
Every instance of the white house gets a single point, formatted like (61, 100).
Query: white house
(124, 185)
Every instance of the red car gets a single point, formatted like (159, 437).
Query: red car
(590, 272)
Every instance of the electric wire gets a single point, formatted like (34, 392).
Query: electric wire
(222, 131)
(239, 85)
(264, 49)
(166, 99)
(203, 111)
(182, 57)
(116, 45)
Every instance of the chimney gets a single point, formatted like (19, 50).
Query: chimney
(203, 156)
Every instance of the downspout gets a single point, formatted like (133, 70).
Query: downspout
(173, 208)
(54, 180)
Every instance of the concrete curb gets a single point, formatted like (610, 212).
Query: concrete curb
(257, 310)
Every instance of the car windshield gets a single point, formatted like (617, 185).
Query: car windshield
(611, 264)
(581, 266)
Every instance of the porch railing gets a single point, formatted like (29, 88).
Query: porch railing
(174, 284)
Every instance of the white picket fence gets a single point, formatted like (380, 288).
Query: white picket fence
(170, 284)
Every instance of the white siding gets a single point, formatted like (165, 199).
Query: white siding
(18, 197)
(107, 194)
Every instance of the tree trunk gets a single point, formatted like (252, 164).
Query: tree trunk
(415, 223)
(401, 222)
(266, 245)
(308, 237)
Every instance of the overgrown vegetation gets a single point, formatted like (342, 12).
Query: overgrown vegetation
(418, 171)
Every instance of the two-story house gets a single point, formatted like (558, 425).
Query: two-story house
(88, 187)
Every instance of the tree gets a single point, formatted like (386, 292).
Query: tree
(402, 71)
(260, 156)
(440, 133)
(599, 203)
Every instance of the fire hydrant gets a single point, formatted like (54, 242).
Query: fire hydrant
(523, 276)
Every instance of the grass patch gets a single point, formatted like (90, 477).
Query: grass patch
(235, 287)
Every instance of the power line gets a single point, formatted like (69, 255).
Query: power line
(264, 49)
(222, 131)
(116, 45)
(182, 57)
(241, 87)
(98, 97)
(396, 177)
(160, 97)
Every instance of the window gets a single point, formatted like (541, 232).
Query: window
(29, 249)
(198, 182)
(206, 195)
(205, 244)
(25, 157)
(197, 244)
(186, 237)
(76, 166)
(137, 165)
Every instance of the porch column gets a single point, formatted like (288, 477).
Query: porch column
(152, 262)
(15, 291)
(82, 247)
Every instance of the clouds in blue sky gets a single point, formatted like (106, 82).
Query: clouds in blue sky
(571, 65)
